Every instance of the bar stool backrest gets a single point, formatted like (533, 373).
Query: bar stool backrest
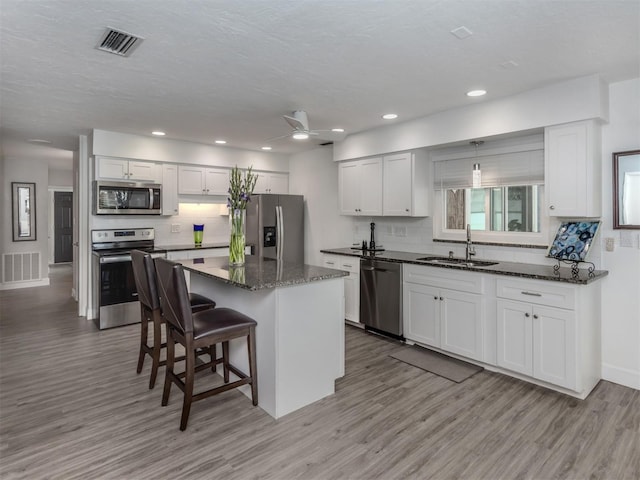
(144, 273)
(174, 296)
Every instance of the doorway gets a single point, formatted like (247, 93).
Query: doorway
(63, 227)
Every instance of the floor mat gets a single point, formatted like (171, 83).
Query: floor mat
(434, 362)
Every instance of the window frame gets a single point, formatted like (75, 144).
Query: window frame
(504, 237)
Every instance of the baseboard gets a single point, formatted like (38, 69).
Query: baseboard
(621, 376)
(43, 282)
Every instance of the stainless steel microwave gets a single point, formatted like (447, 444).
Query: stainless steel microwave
(125, 198)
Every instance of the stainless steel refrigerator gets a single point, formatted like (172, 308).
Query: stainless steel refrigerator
(275, 226)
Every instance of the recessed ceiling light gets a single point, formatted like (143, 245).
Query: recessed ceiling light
(476, 93)
(158, 133)
(266, 148)
(300, 136)
(390, 116)
(39, 141)
(221, 142)
(338, 130)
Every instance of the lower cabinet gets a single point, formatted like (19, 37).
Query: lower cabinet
(451, 318)
(550, 332)
(351, 283)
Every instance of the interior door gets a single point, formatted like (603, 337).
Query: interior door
(63, 227)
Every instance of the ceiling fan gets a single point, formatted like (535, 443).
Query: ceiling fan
(299, 121)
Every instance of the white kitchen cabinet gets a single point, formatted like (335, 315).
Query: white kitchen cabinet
(193, 180)
(272, 183)
(360, 187)
(550, 332)
(405, 191)
(123, 169)
(351, 283)
(169, 189)
(450, 318)
(573, 170)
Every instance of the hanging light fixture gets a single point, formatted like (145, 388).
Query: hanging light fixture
(476, 179)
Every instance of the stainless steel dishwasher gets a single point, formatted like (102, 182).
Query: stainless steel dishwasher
(381, 296)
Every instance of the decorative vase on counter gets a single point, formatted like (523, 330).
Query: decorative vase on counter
(198, 233)
(237, 224)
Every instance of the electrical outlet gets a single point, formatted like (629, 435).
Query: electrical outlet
(175, 227)
(609, 243)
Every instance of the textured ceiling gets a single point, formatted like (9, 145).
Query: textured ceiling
(230, 69)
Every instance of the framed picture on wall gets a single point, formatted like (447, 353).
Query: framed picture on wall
(23, 202)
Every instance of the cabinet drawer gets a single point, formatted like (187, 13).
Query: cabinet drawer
(342, 262)
(552, 294)
(470, 282)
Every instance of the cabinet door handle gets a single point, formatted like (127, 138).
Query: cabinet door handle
(441, 298)
(532, 294)
(435, 298)
(330, 263)
(535, 316)
(527, 315)
(348, 266)
(551, 207)
(406, 209)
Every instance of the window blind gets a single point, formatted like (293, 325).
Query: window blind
(513, 168)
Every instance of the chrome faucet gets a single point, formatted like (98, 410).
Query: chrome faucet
(470, 250)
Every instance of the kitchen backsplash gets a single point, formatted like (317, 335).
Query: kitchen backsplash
(416, 235)
(212, 216)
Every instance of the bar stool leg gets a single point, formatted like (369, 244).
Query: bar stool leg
(188, 387)
(144, 331)
(157, 346)
(253, 369)
(225, 360)
(171, 353)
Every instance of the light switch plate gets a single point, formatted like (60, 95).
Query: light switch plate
(609, 243)
(175, 227)
(626, 238)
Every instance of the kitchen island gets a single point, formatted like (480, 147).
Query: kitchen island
(300, 334)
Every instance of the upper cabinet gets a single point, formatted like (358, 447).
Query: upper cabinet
(405, 191)
(572, 170)
(169, 189)
(393, 185)
(360, 187)
(129, 170)
(194, 180)
(272, 183)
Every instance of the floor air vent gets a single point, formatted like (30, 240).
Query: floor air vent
(118, 42)
(20, 267)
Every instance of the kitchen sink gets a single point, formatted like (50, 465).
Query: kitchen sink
(456, 261)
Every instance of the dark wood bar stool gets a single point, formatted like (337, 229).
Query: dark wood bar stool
(144, 272)
(196, 330)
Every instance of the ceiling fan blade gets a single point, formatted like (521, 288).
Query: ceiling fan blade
(280, 137)
(329, 135)
(295, 123)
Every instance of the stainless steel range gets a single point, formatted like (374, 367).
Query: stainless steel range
(114, 289)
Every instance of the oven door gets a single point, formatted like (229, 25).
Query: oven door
(117, 284)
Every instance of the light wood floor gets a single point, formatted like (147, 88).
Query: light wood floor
(72, 407)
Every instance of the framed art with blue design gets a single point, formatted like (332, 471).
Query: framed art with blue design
(573, 240)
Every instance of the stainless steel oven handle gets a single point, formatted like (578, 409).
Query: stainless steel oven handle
(115, 259)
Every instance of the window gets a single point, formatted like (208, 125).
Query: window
(497, 209)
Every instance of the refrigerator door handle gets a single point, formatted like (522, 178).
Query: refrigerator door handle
(280, 221)
(278, 232)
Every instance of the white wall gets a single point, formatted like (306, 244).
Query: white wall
(27, 170)
(60, 178)
(314, 174)
(123, 145)
(570, 101)
(621, 289)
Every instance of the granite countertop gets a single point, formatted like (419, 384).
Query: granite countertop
(514, 269)
(260, 273)
(191, 246)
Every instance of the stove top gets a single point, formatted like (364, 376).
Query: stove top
(122, 241)
(107, 252)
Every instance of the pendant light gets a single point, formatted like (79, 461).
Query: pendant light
(476, 179)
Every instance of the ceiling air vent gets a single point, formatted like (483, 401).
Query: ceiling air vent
(118, 42)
